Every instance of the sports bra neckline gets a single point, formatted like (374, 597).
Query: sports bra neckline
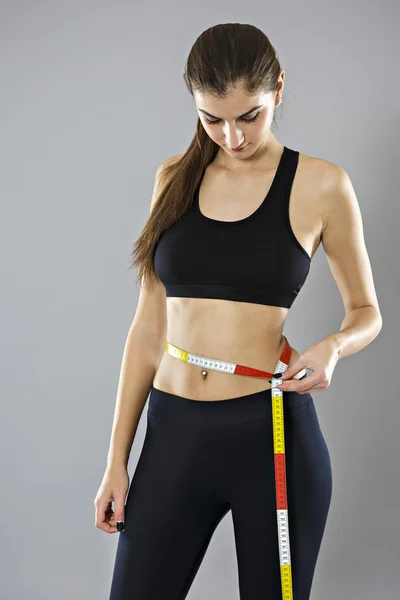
(254, 213)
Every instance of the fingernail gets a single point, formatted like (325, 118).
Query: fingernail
(120, 526)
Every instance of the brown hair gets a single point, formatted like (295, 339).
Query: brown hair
(223, 56)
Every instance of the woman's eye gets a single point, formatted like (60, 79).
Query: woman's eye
(244, 120)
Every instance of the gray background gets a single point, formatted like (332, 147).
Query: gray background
(92, 100)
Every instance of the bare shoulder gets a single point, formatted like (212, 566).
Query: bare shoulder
(321, 170)
(168, 162)
(326, 179)
(159, 179)
(171, 160)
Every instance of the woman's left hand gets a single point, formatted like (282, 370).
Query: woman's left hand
(321, 358)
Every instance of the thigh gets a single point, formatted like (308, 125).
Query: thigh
(254, 517)
(309, 482)
(309, 485)
(170, 516)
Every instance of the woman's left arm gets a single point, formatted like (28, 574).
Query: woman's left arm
(343, 241)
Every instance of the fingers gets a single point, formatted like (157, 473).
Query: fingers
(104, 516)
(313, 383)
(113, 488)
(119, 513)
(295, 371)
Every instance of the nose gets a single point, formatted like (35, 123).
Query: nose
(234, 138)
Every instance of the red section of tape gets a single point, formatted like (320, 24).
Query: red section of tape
(280, 482)
(250, 372)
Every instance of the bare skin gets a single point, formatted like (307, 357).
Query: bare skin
(239, 332)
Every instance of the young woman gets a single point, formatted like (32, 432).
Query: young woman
(233, 226)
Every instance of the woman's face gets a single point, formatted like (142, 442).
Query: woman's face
(229, 123)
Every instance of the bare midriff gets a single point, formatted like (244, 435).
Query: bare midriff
(243, 333)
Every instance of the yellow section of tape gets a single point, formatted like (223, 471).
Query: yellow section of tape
(286, 578)
(177, 352)
(278, 425)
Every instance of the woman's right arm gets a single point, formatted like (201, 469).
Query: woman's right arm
(143, 351)
(144, 348)
(142, 354)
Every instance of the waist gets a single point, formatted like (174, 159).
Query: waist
(186, 379)
(230, 367)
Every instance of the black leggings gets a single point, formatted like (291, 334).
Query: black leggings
(201, 459)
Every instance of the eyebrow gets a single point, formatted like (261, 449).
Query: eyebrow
(240, 116)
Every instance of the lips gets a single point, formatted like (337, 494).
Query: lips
(240, 148)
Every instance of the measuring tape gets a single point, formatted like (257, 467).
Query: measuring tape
(280, 483)
(278, 437)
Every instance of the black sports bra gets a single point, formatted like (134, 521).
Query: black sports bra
(257, 259)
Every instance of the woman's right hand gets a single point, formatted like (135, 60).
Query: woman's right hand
(114, 487)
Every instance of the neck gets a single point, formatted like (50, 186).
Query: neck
(265, 157)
